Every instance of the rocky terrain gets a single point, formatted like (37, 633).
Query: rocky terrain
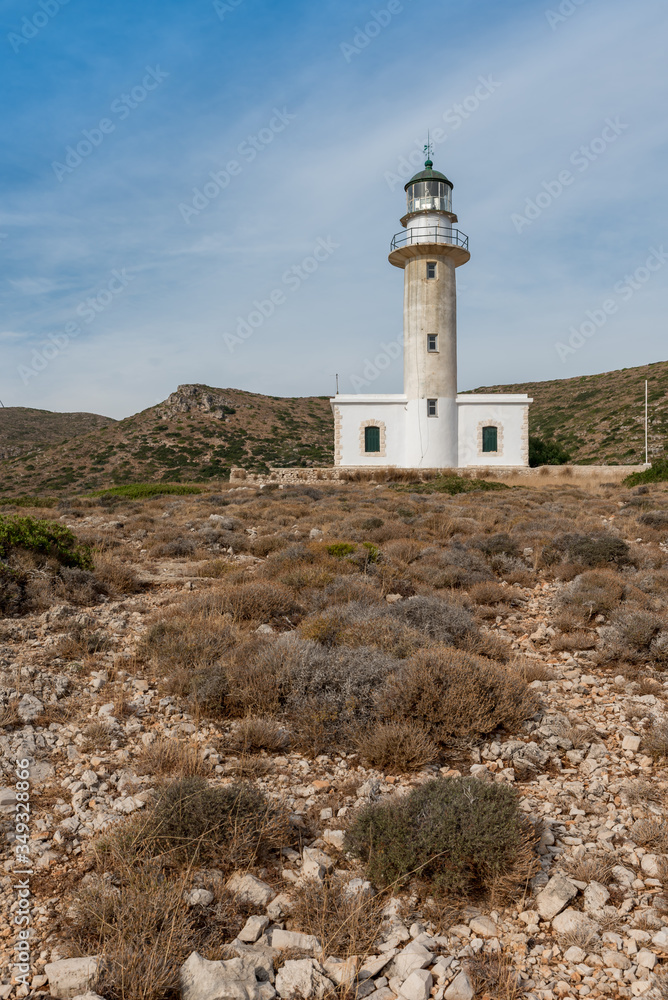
(96, 695)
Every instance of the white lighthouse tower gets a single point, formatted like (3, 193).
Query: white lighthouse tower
(430, 425)
(429, 249)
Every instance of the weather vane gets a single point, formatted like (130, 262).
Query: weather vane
(428, 148)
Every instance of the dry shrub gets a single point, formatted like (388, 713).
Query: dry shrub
(350, 625)
(396, 747)
(265, 544)
(348, 589)
(456, 695)
(587, 550)
(175, 758)
(636, 635)
(344, 921)
(574, 641)
(256, 601)
(593, 593)
(188, 640)
(651, 834)
(233, 826)
(116, 573)
(141, 926)
(143, 932)
(459, 837)
(9, 715)
(253, 734)
(490, 593)
(214, 569)
(402, 550)
(530, 670)
(640, 791)
(98, 736)
(655, 739)
(82, 641)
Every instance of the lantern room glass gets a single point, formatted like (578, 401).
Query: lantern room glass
(429, 195)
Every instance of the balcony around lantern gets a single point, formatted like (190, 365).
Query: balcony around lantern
(436, 233)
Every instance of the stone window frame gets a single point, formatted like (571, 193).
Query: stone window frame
(372, 454)
(338, 435)
(491, 422)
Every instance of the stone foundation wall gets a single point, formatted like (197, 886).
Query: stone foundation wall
(585, 476)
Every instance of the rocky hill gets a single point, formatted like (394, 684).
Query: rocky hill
(24, 429)
(197, 433)
(599, 419)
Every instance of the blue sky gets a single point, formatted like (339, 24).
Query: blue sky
(553, 130)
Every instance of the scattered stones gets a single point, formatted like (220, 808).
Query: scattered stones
(460, 988)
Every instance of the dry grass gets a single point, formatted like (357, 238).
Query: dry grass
(252, 734)
(495, 976)
(175, 758)
(345, 922)
(574, 641)
(652, 834)
(589, 869)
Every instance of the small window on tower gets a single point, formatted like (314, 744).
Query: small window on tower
(432, 343)
(372, 439)
(432, 407)
(431, 269)
(490, 438)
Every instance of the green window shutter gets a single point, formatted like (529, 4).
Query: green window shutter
(490, 437)
(372, 438)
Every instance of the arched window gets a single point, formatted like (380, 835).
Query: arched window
(372, 438)
(490, 439)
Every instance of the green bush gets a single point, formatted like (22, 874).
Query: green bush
(657, 474)
(341, 549)
(457, 837)
(47, 538)
(29, 501)
(141, 491)
(542, 452)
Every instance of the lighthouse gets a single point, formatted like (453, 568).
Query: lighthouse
(429, 249)
(430, 425)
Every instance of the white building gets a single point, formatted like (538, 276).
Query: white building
(429, 425)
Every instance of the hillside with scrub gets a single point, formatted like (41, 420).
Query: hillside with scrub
(348, 741)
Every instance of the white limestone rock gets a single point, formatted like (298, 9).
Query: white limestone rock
(302, 978)
(418, 985)
(460, 988)
(555, 896)
(251, 890)
(71, 977)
